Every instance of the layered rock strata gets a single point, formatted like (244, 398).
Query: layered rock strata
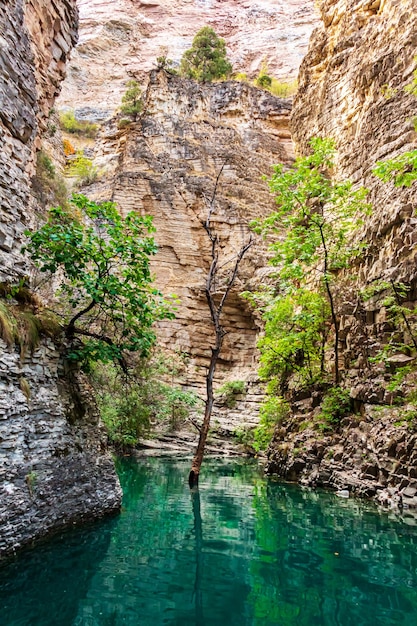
(166, 165)
(54, 467)
(121, 40)
(35, 41)
(352, 87)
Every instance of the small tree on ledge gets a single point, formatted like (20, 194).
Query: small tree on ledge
(206, 60)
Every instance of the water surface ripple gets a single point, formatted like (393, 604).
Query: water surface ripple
(244, 551)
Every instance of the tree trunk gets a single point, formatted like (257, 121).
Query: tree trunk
(199, 454)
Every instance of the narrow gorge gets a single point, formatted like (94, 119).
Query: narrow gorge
(191, 146)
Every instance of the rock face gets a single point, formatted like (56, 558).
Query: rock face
(121, 40)
(35, 41)
(352, 88)
(54, 468)
(166, 165)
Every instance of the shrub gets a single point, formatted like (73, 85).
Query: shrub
(83, 170)
(336, 405)
(132, 99)
(283, 89)
(129, 407)
(264, 81)
(273, 411)
(206, 60)
(68, 147)
(229, 392)
(70, 124)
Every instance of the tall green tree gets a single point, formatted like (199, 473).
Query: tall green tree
(206, 60)
(102, 262)
(313, 228)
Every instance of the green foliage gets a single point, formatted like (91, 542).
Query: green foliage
(206, 60)
(398, 378)
(313, 223)
(264, 80)
(392, 295)
(335, 406)
(245, 436)
(317, 216)
(241, 77)
(401, 170)
(129, 407)
(48, 185)
(273, 411)
(102, 260)
(83, 170)
(283, 89)
(296, 325)
(132, 99)
(70, 124)
(166, 64)
(229, 392)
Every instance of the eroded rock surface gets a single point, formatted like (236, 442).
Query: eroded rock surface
(352, 87)
(35, 41)
(54, 467)
(121, 40)
(166, 165)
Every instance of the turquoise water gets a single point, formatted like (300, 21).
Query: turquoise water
(246, 551)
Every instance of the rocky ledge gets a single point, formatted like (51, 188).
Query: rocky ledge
(371, 454)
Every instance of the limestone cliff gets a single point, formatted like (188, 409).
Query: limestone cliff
(352, 88)
(121, 40)
(166, 165)
(54, 469)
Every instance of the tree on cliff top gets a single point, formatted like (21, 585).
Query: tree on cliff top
(206, 59)
(109, 303)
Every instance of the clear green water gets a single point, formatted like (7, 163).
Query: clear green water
(261, 553)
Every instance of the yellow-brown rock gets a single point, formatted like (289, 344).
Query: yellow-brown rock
(120, 40)
(352, 88)
(166, 165)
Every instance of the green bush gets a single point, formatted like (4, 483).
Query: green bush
(264, 81)
(132, 99)
(229, 392)
(206, 60)
(273, 411)
(70, 124)
(335, 406)
(129, 407)
(83, 170)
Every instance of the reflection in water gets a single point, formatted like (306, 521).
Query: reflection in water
(244, 551)
(198, 531)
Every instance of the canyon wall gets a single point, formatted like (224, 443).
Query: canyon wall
(166, 165)
(352, 87)
(54, 468)
(121, 40)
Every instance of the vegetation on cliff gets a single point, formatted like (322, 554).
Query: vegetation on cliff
(101, 260)
(206, 60)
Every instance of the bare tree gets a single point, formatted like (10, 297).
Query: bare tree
(216, 291)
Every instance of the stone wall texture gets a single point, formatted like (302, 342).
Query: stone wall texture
(54, 467)
(166, 165)
(352, 88)
(121, 40)
(35, 39)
